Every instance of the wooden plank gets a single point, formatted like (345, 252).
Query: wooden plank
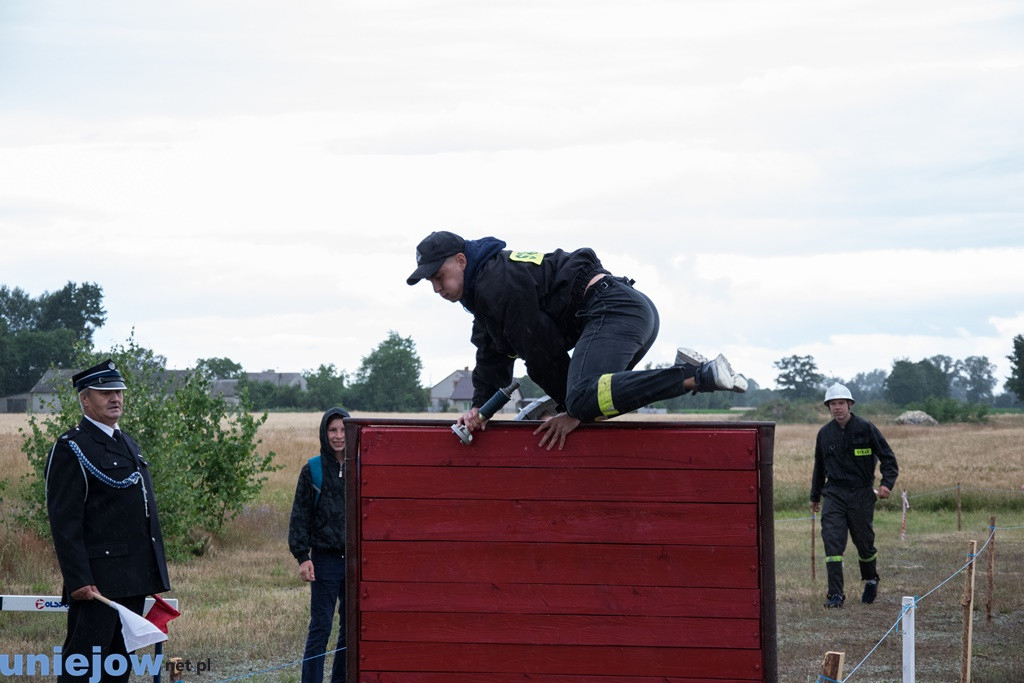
(703, 664)
(446, 677)
(514, 445)
(560, 521)
(575, 563)
(560, 629)
(536, 598)
(523, 483)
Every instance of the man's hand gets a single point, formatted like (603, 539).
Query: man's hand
(306, 571)
(884, 492)
(556, 429)
(471, 418)
(815, 507)
(85, 593)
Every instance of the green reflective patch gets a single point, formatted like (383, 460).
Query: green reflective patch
(862, 451)
(534, 257)
(604, 396)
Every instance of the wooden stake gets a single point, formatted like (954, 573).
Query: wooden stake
(968, 610)
(991, 570)
(959, 512)
(832, 665)
(813, 559)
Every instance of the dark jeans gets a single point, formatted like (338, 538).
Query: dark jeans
(326, 593)
(620, 325)
(90, 623)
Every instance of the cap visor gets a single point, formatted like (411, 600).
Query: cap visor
(425, 271)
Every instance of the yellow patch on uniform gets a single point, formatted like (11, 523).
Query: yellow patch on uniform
(862, 451)
(604, 396)
(534, 257)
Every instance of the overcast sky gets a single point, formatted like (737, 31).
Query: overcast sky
(249, 179)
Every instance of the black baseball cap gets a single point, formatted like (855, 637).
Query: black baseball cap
(103, 376)
(432, 251)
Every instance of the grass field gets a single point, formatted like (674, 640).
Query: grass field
(246, 610)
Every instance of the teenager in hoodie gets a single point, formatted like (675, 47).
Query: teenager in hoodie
(316, 538)
(538, 307)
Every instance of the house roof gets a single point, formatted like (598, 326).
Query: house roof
(48, 383)
(463, 389)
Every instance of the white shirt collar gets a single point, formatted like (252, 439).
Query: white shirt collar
(107, 429)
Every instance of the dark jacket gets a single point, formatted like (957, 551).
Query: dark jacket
(319, 525)
(847, 456)
(524, 306)
(102, 535)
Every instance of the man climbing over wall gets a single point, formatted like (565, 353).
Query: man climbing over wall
(538, 307)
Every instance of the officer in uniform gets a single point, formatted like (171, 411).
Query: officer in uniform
(845, 454)
(103, 516)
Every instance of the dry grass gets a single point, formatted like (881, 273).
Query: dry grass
(246, 609)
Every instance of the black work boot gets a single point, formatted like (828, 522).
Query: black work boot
(835, 601)
(870, 591)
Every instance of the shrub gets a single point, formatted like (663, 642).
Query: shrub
(202, 451)
(946, 410)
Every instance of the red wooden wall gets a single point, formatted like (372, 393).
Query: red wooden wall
(642, 552)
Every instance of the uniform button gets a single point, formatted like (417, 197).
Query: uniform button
(106, 552)
(115, 463)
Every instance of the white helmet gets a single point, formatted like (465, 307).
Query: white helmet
(837, 390)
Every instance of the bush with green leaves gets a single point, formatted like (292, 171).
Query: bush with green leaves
(947, 410)
(202, 452)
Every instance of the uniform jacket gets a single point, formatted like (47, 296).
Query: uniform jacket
(319, 525)
(524, 305)
(102, 534)
(847, 457)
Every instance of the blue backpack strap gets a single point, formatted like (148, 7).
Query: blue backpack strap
(316, 471)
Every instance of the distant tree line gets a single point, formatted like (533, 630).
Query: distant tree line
(37, 333)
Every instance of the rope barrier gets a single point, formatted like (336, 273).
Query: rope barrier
(917, 600)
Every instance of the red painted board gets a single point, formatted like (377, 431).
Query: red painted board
(550, 483)
(560, 521)
(535, 598)
(709, 664)
(446, 677)
(560, 629)
(577, 563)
(514, 445)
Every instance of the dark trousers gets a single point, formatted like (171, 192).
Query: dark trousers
(620, 325)
(848, 510)
(327, 593)
(92, 623)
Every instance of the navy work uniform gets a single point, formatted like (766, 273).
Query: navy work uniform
(103, 516)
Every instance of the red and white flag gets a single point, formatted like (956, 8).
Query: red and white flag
(161, 612)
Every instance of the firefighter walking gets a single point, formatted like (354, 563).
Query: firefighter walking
(845, 454)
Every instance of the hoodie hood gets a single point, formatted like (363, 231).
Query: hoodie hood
(325, 446)
(478, 252)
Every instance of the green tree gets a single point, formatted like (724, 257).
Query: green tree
(868, 386)
(38, 333)
(202, 452)
(73, 307)
(1015, 382)
(975, 380)
(325, 388)
(220, 368)
(798, 377)
(388, 380)
(915, 382)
